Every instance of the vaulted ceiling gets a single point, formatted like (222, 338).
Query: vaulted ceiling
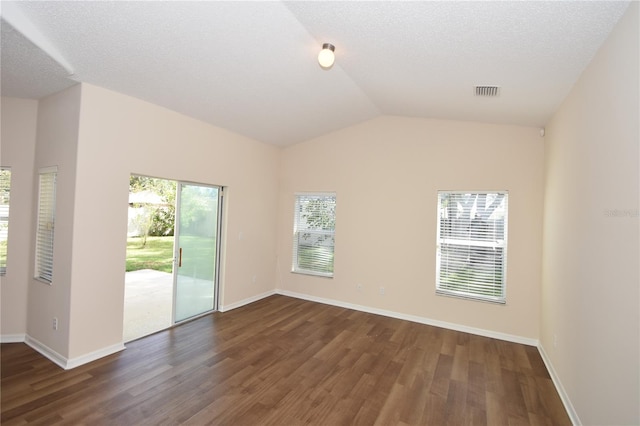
(251, 67)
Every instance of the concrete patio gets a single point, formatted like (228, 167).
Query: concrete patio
(147, 303)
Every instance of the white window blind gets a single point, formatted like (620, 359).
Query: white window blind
(5, 191)
(313, 234)
(46, 224)
(472, 245)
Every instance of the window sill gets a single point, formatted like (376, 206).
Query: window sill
(494, 301)
(313, 274)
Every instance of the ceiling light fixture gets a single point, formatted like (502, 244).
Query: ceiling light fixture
(326, 57)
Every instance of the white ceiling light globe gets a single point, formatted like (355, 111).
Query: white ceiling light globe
(326, 57)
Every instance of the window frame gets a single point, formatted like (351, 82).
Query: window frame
(45, 233)
(470, 243)
(5, 258)
(322, 233)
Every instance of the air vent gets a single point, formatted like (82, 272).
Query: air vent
(488, 91)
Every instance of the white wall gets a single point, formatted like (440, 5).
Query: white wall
(386, 173)
(18, 146)
(590, 286)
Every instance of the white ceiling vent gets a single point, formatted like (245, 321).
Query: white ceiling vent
(488, 91)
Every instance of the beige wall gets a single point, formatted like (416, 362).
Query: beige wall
(120, 135)
(97, 138)
(386, 173)
(56, 144)
(17, 151)
(590, 267)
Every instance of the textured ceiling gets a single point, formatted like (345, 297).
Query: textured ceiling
(251, 66)
(22, 74)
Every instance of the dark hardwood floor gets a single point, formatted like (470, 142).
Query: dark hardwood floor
(284, 361)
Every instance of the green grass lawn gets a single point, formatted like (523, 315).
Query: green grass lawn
(157, 254)
(198, 258)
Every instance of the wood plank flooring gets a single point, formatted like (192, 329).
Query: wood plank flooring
(284, 361)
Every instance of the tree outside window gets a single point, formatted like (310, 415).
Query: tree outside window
(472, 245)
(314, 234)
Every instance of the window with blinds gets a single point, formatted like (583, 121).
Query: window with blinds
(5, 191)
(46, 224)
(472, 245)
(313, 234)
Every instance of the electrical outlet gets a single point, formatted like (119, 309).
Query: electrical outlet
(359, 287)
(382, 291)
(253, 280)
(555, 340)
(55, 323)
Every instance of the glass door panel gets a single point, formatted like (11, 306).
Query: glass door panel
(197, 243)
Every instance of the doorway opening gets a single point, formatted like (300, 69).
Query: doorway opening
(172, 253)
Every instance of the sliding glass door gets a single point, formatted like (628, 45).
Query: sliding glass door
(196, 268)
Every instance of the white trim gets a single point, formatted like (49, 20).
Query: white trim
(68, 364)
(478, 191)
(458, 287)
(12, 338)
(316, 193)
(235, 305)
(301, 227)
(46, 351)
(573, 415)
(92, 356)
(48, 169)
(76, 362)
(414, 318)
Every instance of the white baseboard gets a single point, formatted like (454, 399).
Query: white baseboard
(64, 362)
(235, 305)
(558, 384)
(68, 364)
(571, 412)
(46, 351)
(12, 338)
(414, 318)
(92, 356)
